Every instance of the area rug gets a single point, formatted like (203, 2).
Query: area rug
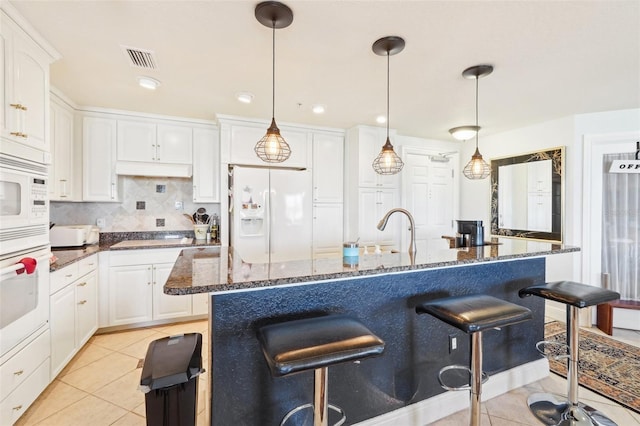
(606, 366)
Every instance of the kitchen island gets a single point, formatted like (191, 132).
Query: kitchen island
(381, 291)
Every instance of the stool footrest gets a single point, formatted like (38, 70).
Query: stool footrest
(485, 377)
(305, 406)
(554, 354)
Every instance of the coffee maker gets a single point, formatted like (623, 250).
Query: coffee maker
(470, 233)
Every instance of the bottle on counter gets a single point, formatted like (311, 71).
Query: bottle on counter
(214, 227)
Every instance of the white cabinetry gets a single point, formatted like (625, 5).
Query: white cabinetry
(24, 376)
(368, 195)
(328, 219)
(148, 141)
(63, 179)
(25, 85)
(73, 310)
(206, 166)
(100, 182)
(136, 281)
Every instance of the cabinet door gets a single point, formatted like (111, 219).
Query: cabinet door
(370, 142)
(61, 170)
(243, 139)
(99, 154)
(388, 199)
(327, 228)
(86, 307)
(174, 144)
(136, 141)
(167, 306)
(31, 90)
(130, 294)
(62, 325)
(206, 166)
(368, 216)
(200, 304)
(328, 154)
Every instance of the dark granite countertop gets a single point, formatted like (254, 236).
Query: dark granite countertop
(221, 269)
(139, 241)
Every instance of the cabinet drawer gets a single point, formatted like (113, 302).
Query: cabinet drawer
(87, 265)
(19, 400)
(63, 277)
(19, 367)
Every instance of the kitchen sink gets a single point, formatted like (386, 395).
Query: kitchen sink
(152, 243)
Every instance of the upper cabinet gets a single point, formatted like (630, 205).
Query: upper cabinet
(206, 166)
(25, 89)
(100, 182)
(238, 139)
(64, 178)
(364, 145)
(328, 150)
(148, 141)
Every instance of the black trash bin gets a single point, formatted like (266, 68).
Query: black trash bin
(170, 380)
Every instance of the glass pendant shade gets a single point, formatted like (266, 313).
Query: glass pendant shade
(387, 162)
(272, 148)
(476, 168)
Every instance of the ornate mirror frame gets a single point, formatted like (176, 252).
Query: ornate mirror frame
(556, 155)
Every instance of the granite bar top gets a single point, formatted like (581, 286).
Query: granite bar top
(221, 269)
(135, 241)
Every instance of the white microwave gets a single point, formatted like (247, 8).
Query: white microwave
(24, 204)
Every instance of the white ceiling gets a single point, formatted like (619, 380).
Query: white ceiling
(552, 59)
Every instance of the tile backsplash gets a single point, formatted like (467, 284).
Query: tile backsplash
(159, 207)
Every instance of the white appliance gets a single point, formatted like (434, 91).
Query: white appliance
(24, 206)
(271, 211)
(74, 235)
(24, 297)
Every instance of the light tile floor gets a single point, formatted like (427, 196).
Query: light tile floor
(100, 387)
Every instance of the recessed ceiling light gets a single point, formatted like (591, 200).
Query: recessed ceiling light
(148, 82)
(381, 119)
(318, 109)
(244, 97)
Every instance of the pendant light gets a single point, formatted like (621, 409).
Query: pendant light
(272, 148)
(388, 162)
(476, 168)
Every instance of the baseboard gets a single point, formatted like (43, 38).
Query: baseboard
(445, 404)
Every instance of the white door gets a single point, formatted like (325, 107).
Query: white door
(167, 306)
(290, 215)
(428, 194)
(596, 147)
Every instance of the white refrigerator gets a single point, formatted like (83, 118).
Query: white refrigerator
(271, 214)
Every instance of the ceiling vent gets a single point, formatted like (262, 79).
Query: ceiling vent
(140, 58)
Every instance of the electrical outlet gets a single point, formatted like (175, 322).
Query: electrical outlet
(178, 205)
(453, 342)
(101, 222)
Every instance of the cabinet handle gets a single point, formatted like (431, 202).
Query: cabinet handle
(82, 302)
(18, 106)
(68, 275)
(19, 134)
(113, 186)
(17, 407)
(18, 373)
(82, 284)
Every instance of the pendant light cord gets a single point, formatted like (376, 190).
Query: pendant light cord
(273, 72)
(388, 94)
(477, 130)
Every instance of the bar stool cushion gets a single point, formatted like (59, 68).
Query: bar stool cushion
(475, 313)
(571, 293)
(313, 343)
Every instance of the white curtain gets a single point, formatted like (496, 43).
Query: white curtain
(621, 229)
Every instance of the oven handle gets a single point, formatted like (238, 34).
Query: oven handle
(15, 267)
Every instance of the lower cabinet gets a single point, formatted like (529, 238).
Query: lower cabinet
(136, 281)
(73, 308)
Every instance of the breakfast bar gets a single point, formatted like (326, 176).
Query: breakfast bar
(382, 291)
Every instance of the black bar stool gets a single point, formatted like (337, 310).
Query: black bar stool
(473, 314)
(315, 344)
(546, 407)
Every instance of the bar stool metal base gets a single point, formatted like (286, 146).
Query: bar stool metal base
(554, 410)
(338, 410)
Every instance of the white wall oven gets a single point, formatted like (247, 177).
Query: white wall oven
(24, 206)
(24, 295)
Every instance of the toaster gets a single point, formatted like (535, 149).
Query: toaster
(74, 235)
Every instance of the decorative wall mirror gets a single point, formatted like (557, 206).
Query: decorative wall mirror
(526, 195)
